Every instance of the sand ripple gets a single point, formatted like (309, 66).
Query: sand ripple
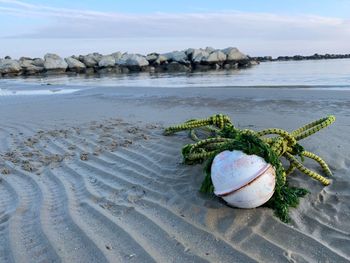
(114, 192)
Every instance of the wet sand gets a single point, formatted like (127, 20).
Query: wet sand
(89, 177)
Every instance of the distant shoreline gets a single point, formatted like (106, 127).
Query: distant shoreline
(300, 57)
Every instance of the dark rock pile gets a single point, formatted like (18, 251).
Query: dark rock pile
(299, 57)
(176, 61)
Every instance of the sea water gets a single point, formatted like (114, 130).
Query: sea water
(310, 74)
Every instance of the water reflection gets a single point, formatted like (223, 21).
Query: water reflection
(335, 73)
(31, 92)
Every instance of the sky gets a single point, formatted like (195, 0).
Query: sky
(256, 27)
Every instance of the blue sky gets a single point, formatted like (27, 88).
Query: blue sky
(334, 8)
(258, 27)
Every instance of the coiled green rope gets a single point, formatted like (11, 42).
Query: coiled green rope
(224, 136)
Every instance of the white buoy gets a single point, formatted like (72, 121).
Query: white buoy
(244, 181)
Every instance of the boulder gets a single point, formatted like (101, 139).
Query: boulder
(152, 57)
(215, 57)
(107, 62)
(209, 49)
(91, 60)
(137, 63)
(24, 58)
(54, 63)
(116, 55)
(108, 70)
(75, 65)
(192, 52)
(233, 54)
(199, 56)
(10, 67)
(133, 60)
(28, 66)
(189, 51)
(39, 62)
(176, 67)
(160, 60)
(177, 56)
(122, 60)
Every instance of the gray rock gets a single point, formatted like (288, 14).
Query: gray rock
(109, 70)
(116, 55)
(133, 60)
(97, 56)
(233, 54)
(199, 56)
(177, 56)
(24, 58)
(209, 49)
(137, 60)
(54, 63)
(209, 55)
(122, 60)
(28, 66)
(91, 60)
(75, 65)
(160, 60)
(39, 62)
(10, 66)
(107, 61)
(152, 57)
(215, 57)
(176, 67)
(189, 51)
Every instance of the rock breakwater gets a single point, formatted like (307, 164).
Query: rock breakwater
(176, 61)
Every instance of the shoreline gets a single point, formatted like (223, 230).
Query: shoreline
(315, 56)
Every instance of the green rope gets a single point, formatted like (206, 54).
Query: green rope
(224, 136)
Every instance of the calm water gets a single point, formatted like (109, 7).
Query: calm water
(317, 74)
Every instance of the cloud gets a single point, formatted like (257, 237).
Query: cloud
(259, 29)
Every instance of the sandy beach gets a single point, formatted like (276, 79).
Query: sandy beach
(89, 177)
